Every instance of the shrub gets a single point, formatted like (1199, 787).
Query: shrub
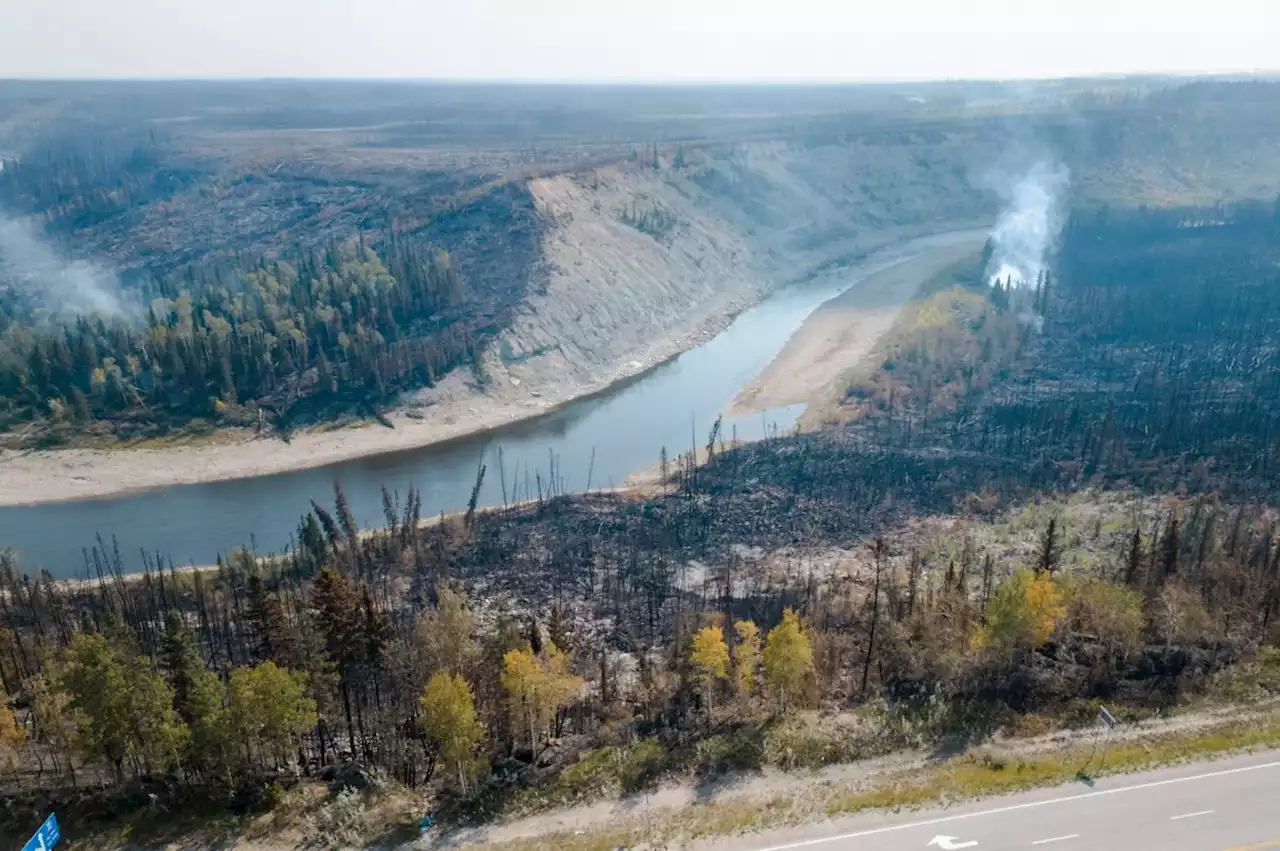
(1030, 726)
(1177, 615)
(273, 795)
(336, 823)
(1111, 612)
(1024, 611)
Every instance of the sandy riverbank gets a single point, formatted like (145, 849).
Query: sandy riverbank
(453, 409)
(843, 331)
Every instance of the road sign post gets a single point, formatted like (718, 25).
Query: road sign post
(1106, 722)
(1105, 718)
(46, 836)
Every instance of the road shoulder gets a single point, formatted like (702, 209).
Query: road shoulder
(749, 814)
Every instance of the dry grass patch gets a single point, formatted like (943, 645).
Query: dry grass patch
(976, 775)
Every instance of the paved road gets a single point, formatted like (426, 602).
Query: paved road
(1229, 805)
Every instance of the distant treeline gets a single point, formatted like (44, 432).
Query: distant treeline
(75, 180)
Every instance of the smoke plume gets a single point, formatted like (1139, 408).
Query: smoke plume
(64, 288)
(1030, 220)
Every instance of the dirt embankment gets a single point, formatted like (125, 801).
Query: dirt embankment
(843, 331)
(641, 264)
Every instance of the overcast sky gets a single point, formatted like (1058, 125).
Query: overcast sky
(672, 40)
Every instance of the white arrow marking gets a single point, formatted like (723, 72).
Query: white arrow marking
(949, 843)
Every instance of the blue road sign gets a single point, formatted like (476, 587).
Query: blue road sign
(46, 837)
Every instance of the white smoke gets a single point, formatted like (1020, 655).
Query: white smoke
(1030, 222)
(64, 288)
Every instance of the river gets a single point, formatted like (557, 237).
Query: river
(596, 441)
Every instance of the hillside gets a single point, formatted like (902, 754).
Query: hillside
(695, 227)
(1029, 498)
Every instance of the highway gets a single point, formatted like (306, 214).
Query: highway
(1227, 805)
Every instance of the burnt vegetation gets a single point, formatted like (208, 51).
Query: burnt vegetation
(1153, 361)
(389, 227)
(297, 336)
(609, 618)
(487, 657)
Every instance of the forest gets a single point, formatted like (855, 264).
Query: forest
(488, 657)
(338, 244)
(270, 343)
(294, 300)
(342, 328)
(1151, 359)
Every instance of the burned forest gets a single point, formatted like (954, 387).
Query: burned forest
(1035, 494)
(1062, 493)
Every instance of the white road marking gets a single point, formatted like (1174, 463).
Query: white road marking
(807, 843)
(1056, 839)
(1191, 815)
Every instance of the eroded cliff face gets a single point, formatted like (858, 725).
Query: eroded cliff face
(601, 271)
(625, 266)
(638, 268)
(641, 263)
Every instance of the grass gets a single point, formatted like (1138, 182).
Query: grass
(148, 828)
(972, 776)
(788, 744)
(387, 817)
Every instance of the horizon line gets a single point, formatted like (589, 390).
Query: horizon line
(656, 82)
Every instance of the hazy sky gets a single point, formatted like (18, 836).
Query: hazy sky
(634, 39)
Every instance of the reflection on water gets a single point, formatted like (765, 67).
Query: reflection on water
(603, 438)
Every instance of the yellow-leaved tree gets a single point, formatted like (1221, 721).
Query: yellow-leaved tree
(521, 678)
(562, 686)
(11, 734)
(746, 656)
(709, 658)
(538, 685)
(449, 721)
(268, 708)
(1024, 611)
(788, 658)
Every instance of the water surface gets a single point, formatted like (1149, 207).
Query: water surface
(596, 441)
